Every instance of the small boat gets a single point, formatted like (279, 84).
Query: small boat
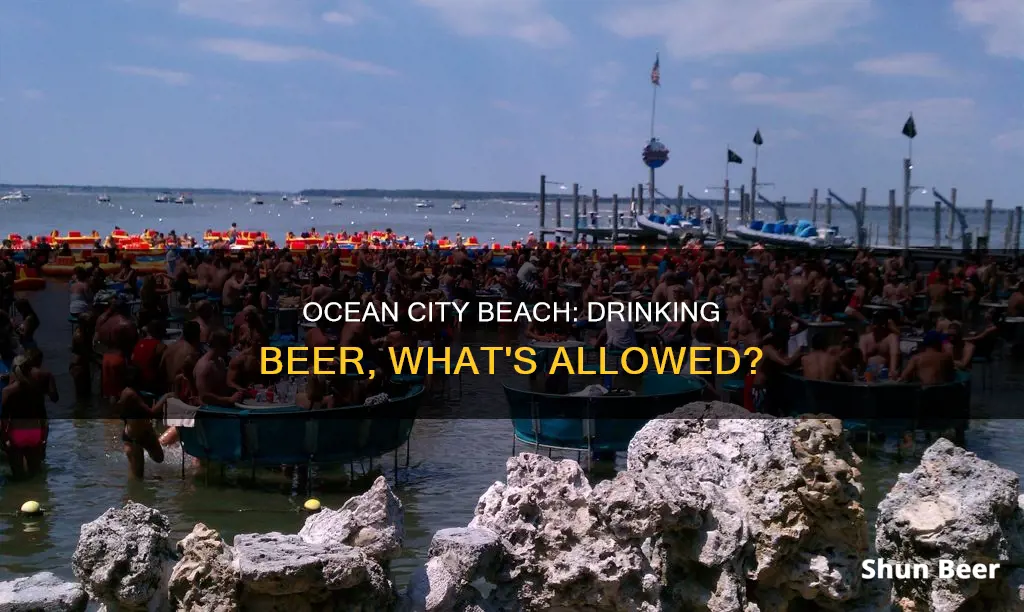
(184, 199)
(337, 201)
(284, 198)
(256, 201)
(803, 234)
(103, 198)
(299, 200)
(163, 198)
(15, 196)
(424, 204)
(675, 226)
(457, 205)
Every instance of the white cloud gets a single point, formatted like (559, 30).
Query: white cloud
(338, 18)
(256, 51)
(522, 20)
(701, 29)
(169, 77)
(1001, 23)
(250, 13)
(699, 84)
(926, 65)
(1009, 141)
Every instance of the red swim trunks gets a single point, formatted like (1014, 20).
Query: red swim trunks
(26, 438)
(114, 366)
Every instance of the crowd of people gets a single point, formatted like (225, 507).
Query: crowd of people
(226, 305)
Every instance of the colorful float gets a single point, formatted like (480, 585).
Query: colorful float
(28, 279)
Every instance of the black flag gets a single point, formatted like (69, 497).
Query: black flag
(909, 129)
(733, 158)
(757, 138)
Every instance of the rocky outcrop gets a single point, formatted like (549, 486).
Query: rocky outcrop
(959, 508)
(713, 512)
(205, 577)
(124, 558)
(42, 592)
(372, 522)
(333, 563)
(456, 558)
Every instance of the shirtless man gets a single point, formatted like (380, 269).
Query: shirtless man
(220, 276)
(820, 364)
(118, 334)
(742, 329)
(797, 285)
(183, 351)
(1015, 306)
(24, 426)
(204, 273)
(933, 365)
(207, 319)
(880, 346)
(211, 373)
(231, 296)
(318, 335)
(244, 369)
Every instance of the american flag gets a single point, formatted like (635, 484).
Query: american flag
(656, 71)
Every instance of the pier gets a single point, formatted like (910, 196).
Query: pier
(611, 219)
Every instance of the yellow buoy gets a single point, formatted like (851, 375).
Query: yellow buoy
(312, 505)
(31, 508)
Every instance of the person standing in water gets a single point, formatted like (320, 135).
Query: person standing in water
(24, 426)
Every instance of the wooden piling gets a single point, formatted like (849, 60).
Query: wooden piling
(558, 212)
(743, 203)
(632, 200)
(575, 214)
(593, 207)
(1017, 213)
(906, 203)
(938, 224)
(615, 218)
(725, 209)
(862, 209)
(640, 199)
(679, 201)
(542, 208)
(814, 207)
(780, 214)
(952, 213)
(828, 211)
(893, 225)
(987, 224)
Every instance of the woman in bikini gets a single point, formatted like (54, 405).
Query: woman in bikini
(24, 426)
(139, 436)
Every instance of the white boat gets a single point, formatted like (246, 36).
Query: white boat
(16, 196)
(284, 198)
(184, 199)
(299, 200)
(457, 205)
(163, 198)
(676, 226)
(103, 198)
(337, 201)
(424, 204)
(800, 234)
(256, 201)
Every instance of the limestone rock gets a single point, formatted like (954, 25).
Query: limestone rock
(373, 522)
(124, 558)
(42, 592)
(456, 558)
(718, 510)
(286, 572)
(205, 578)
(958, 507)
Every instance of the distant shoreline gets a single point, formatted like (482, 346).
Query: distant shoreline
(424, 194)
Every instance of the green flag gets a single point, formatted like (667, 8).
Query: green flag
(909, 129)
(757, 138)
(733, 158)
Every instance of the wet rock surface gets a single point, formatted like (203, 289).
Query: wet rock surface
(42, 592)
(372, 522)
(124, 558)
(955, 507)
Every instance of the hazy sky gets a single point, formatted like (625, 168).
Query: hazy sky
(488, 94)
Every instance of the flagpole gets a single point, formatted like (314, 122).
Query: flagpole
(654, 99)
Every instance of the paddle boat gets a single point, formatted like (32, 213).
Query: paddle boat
(271, 436)
(595, 423)
(803, 234)
(27, 279)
